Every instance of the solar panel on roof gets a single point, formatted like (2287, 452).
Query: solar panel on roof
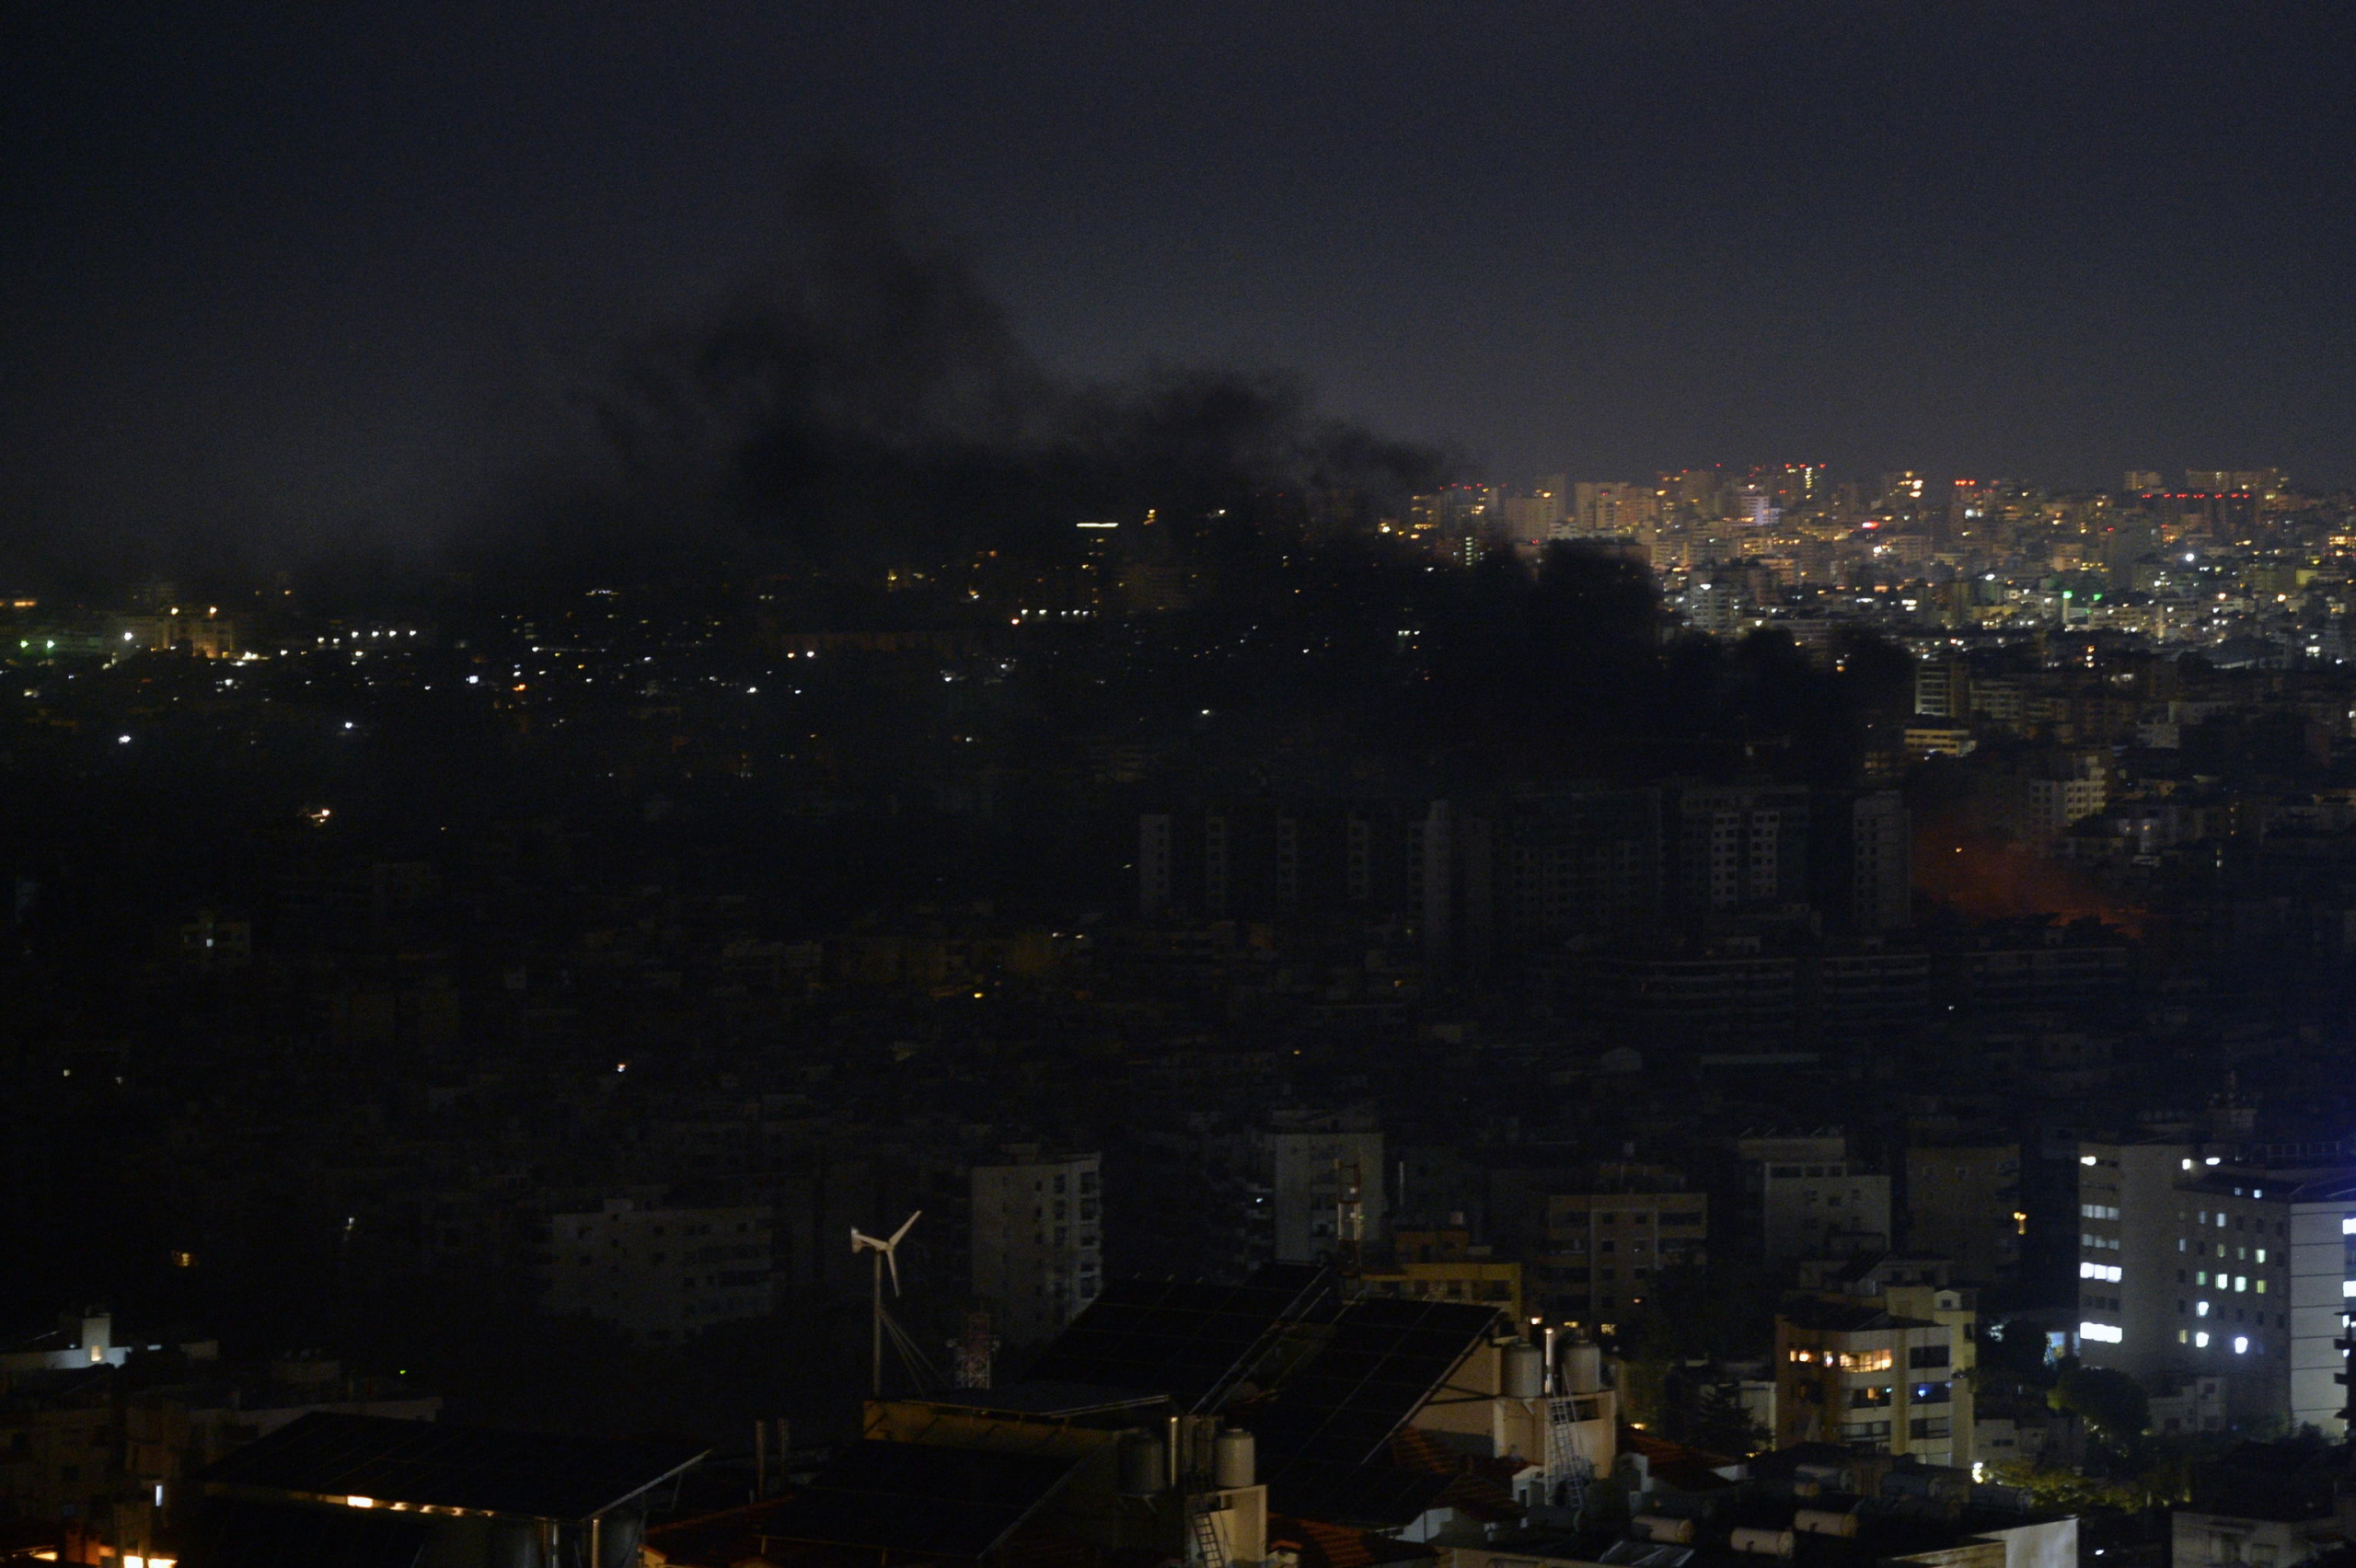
(424, 1463)
(1381, 1360)
(919, 1497)
(1182, 1337)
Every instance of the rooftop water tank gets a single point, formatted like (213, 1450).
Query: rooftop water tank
(1582, 1368)
(1763, 1543)
(1144, 1464)
(1235, 1460)
(1525, 1373)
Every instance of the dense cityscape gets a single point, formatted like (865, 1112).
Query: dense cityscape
(1920, 922)
(1352, 784)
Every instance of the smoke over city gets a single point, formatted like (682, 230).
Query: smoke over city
(863, 404)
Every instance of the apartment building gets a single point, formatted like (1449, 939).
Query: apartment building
(1038, 1246)
(661, 1274)
(1813, 1200)
(1858, 1373)
(2193, 1267)
(1603, 1248)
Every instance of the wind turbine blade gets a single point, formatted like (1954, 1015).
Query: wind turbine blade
(903, 1227)
(892, 1261)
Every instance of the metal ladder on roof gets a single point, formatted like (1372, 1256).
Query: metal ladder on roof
(1210, 1550)
(1567, 1470)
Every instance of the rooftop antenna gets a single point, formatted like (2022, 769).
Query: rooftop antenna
(971, 1351)
(887, 1255)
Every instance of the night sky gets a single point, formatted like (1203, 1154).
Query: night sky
(318, 274)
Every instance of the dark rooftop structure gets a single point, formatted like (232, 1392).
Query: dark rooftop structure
(1840, 1316)
(367, 1490)
(1323, 1384)
(425, 1466)
(1053, 1402)
(915, 1498)
(228, 1533)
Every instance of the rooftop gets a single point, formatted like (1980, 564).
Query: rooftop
(374, 1461)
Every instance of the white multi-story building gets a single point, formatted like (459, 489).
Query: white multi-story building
(1038, 1248)
(2192, 1266)
(663, 1274)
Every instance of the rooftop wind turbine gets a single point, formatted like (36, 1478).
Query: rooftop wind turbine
(887, 1255)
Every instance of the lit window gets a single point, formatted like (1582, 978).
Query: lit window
(2200, 1339)
(2102, 1333)
(2201, 1308)
(2241, 1344)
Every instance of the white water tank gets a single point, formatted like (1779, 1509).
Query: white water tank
(1665, 1531)
(1824, 1522)
(1235, 1460)
(1144, 1464)
(1525, 1373)
(1582, 1367)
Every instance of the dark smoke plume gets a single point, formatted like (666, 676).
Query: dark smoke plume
(866, 405)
